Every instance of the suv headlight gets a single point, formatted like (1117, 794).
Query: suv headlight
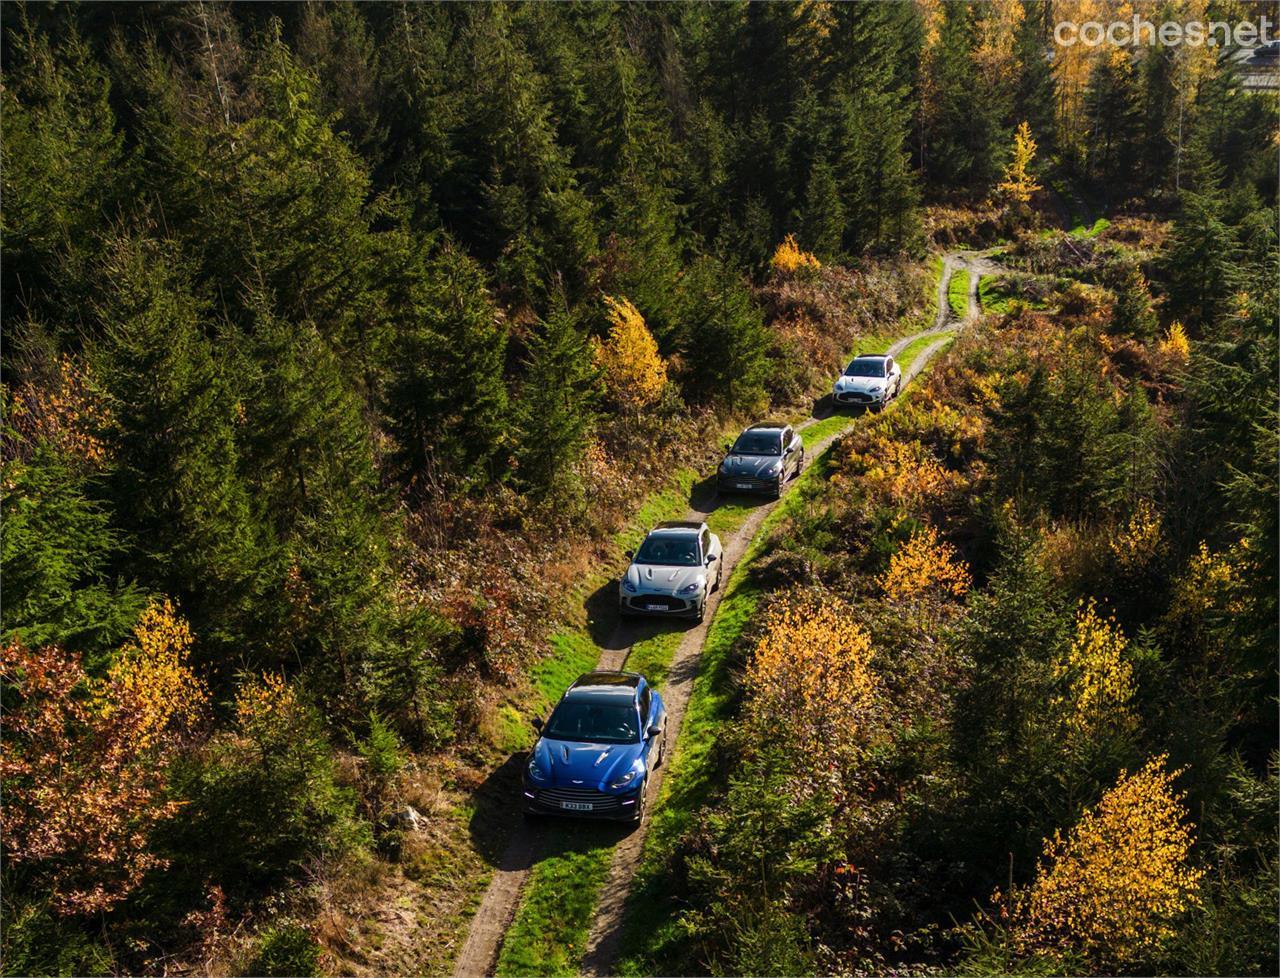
(693, 588)
(535, 772)
(625, 780)
(628, 586)
(876, 388)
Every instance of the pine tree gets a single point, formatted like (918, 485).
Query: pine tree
(55, 553)
(1200, 262)
(966, 133)
(176, 487)
(1111, 109)
(556, 408)
(446, 397)
(725, 340)
(822, 221)
(62, 169)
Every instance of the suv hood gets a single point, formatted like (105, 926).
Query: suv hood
(663, 579)
(755, 466)
(594, 765)
(864, 384)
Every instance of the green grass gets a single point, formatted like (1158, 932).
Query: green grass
(917, 347)
(958, 292)
(1100, 225)
(549, 933)
(991, 296)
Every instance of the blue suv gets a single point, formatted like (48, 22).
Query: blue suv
(594, 754)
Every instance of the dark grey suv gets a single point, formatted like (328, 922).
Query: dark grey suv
(763, 458)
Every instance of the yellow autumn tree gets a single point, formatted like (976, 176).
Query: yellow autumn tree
(633, 369)
(1096, 678)
(1136, 544)
(1176, 345)
(1112, 889)
(1018, 184)
(789, 258)
(809, 679)
(923, 563)
(153, 674)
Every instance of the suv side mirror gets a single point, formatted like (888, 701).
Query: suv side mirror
(628, 554)
(653, 731)
(537, 724)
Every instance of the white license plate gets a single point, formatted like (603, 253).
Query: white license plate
(655, 607)
(744, 485)
(577, 806)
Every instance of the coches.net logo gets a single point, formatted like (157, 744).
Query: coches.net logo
(1140, 32)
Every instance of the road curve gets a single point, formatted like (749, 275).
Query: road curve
(479, 954)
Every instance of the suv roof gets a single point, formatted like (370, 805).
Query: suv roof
(606, 682)
(871, 356)
(678, 525)
(767, 426)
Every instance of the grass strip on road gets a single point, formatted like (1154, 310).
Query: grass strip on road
(958, 292)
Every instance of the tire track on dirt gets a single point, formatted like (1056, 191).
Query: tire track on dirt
(501, 899)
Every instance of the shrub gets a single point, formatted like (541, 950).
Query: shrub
(86, 761)
(267, 792)
(924, 563)
(789, 259)
(287, 950)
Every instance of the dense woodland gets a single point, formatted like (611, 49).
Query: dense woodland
(329, 328)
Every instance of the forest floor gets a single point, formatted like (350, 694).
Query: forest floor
(619, 848)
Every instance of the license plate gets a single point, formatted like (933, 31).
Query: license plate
(577, 806)
(744, 485)
(655, 607)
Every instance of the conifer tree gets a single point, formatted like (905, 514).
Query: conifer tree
(446, 397)
(62, 168)
(1200, 261)
(177, 486)
(725, 337)
(556, 408)
(823, 219)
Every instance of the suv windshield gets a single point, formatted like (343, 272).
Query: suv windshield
(595, 721)
(865, 368)
(758, 443)
(681, 550)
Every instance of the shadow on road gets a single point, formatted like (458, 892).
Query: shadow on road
(496, 815)
(824, 407)
(612, 633)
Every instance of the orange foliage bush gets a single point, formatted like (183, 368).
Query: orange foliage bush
(923, 563)
(84, 761)
(66, 411)
(1140, 540)
(1113, 887)
(901, 469)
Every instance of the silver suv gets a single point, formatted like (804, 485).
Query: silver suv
(672, 573)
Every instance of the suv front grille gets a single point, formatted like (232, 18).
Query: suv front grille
(598, 800)
(657, 602)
